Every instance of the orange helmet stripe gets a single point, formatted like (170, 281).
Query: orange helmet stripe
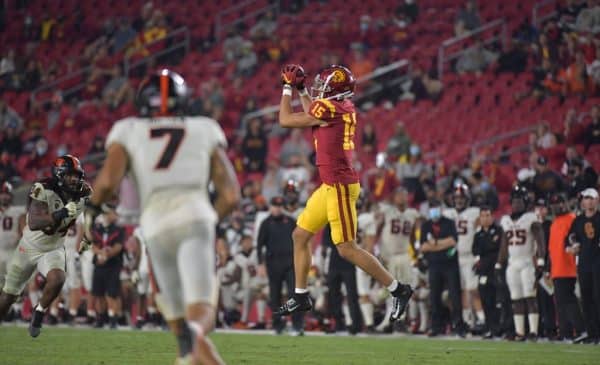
(164, 93)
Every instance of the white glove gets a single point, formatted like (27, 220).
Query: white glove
(71, 209)
(84, 245)
(135, 277)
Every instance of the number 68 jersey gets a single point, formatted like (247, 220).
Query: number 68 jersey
(518, 233)
(169, 161)
(397, 228)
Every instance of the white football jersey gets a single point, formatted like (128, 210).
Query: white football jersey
(71, 237)
(248, 264)
(169, 161)
(366, 227)
(518, 233)
(143, 264)
(397, 227)
(9, 227)
(50, 240)
(465, 227)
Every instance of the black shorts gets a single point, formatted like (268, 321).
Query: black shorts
(106, 281)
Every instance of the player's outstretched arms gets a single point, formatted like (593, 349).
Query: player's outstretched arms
(225, 182)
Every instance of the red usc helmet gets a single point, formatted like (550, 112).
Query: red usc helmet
(333, 82)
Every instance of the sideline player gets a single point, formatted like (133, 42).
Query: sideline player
(522, 242)
(172, 159)
(467, 221)
(397, 234)
(332, 117)
(53, 207)
(12, 222)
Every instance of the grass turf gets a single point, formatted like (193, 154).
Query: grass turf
(65, 346)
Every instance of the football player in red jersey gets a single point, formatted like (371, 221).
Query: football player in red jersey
(332, 116)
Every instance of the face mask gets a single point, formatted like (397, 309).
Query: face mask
(435, 213)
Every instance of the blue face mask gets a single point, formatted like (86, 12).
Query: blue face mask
(435, 213)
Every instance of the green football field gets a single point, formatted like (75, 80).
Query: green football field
(65, 346)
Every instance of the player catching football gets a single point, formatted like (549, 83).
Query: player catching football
(172, 159)
(332, 117)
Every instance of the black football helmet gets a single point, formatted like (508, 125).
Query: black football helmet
(62, 168)
(162, 93)
(6, 195)
(519, 192)
(461, 191)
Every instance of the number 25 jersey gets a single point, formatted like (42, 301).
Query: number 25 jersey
(334, 143)
(169, 161)
(518, 234)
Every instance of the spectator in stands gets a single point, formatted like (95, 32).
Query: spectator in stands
(255, 147)
(544, 50)
(593, 68)
(32, 75)
(7, 170)
(7, 64)
(247, 61)
(9, 118)
(475, 59)
(592, 131)
(513, 59)
(294, 145)
(580, 177)
(271, 182)
(410, 172)
(145, 14)
(369, 139)
(381, 181)
(567, 13)
(97, 146)
(264, 27)
(409, 9)
(399, 144)
(123, 35)
(544, 137)
(573, 129)
(546, 181)
(588, 19)
(422, 86)
(232, 46)
(11, 142)
(574, 78)
(361, 65)
(118, 90)
(467, 19)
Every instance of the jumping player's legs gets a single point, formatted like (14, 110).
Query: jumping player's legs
(313, 218)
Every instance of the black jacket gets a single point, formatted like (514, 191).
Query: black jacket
(275, 234)
(486, 245)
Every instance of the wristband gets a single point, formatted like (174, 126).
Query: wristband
(60, 214)
(540, 262)
(287, 90)
(497, 266)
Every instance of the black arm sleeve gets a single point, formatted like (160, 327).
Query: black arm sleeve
(261, 241)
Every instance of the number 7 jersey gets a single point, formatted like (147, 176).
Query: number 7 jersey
(518, 233)
(169, 161)
(334, 143)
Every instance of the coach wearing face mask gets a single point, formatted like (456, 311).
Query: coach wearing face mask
(439, 249)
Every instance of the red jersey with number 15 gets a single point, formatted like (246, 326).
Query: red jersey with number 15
(334, 143)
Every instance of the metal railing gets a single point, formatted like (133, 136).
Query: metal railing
(444, 56)
(376, 74)
(503, 137)
(182, 40)
(222, 25)
(541, 13)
